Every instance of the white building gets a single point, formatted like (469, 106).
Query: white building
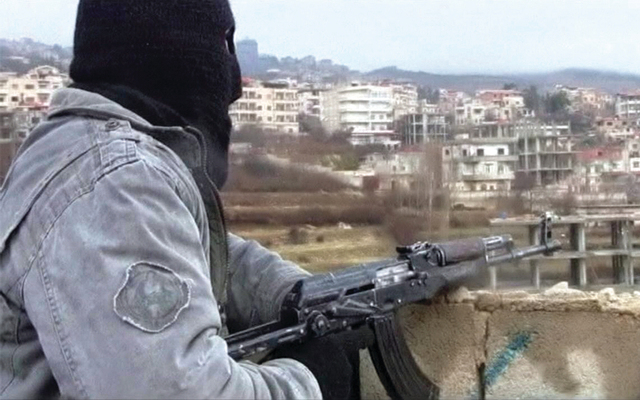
(471, 112)
(628, 106)
(32, 90)
(365, 110)
(273, 107)
(396, 170)
(405, 99)
(310, 102)
(483, 160)
(585, 99)
(330, 110)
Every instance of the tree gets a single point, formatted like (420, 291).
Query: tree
(557, 103)
(522, 186)
(510, 86)
(311, 124)
(532, 99)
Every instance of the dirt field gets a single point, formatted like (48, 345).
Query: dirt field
(327, 246)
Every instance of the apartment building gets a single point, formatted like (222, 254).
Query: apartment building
(501, 98)
(310, 102)
(545, 152)
(417, 168)
(32, 90)
(405, 100)
(484, 159)
(615, 128)
(367, 111)
(471, 112)
(586, 99)
(596, 167)
(628, 106)
(449, 99)
(330, 110)
(272, 106)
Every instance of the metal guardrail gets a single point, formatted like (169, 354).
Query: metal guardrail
(576, 253)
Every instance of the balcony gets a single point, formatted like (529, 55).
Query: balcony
(487, 177)
(488, 140)
(504, 158)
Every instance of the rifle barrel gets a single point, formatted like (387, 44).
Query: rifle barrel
(517, 254)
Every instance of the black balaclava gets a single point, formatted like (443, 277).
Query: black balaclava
(172, 62)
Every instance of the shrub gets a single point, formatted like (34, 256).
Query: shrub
(255, 175)
(469, 219)
(405, 229)
(317, 216)
(298, 236)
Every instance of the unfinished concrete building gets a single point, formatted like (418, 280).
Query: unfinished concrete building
(421, 128)
(545, 152)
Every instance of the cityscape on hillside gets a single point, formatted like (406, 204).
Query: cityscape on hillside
(483, 144)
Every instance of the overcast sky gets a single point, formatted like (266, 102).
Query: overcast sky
(445, 36)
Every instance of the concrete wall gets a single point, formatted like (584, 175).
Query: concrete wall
(563, 344)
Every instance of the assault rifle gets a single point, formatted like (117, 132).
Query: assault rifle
(369, 295)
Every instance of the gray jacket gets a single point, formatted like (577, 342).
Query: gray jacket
(105, 285)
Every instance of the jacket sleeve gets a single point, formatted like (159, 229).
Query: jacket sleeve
(259, 281)
(121, 299)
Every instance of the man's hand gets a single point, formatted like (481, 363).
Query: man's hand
(334, 360)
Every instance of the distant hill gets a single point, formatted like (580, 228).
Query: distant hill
(609, 81)
(24, 54)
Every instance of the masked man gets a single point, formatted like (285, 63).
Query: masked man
(118, 277)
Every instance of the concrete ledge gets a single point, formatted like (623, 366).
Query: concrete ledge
(562, 343)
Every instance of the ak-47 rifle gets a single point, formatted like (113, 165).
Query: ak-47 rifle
(370, 294)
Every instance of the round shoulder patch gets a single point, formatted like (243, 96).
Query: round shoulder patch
(151, 297)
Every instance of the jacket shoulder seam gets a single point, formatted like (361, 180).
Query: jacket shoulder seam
(81, 193)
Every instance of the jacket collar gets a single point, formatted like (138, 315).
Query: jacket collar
(76, 101)
(187, 143)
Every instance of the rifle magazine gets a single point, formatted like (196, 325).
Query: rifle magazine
(395, 365)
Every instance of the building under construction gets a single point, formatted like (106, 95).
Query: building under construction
(545, 152)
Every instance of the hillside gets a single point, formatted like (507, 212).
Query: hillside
(609, 81)
(24, 54)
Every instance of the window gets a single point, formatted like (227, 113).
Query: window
(464, 153)
(29, 87)
(480, 152)
(636, 164)
(501, 170)
(446, 152)
(501, 152)
(487, 168)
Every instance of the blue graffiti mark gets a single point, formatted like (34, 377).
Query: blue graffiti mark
(501, 362)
